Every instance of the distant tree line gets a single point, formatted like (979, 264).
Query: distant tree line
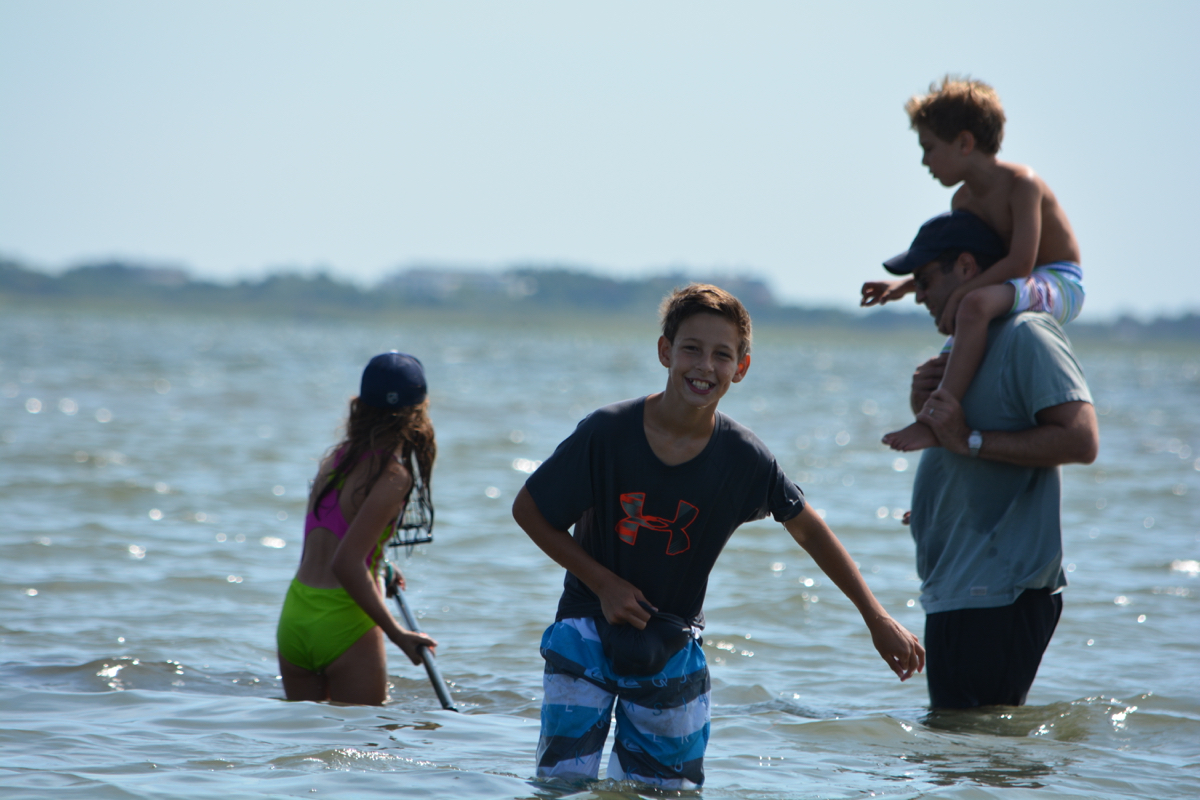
(521, 292)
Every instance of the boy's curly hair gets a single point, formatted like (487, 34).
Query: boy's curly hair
(697, 298)
(960, 104)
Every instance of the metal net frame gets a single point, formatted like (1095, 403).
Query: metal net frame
(414, 525)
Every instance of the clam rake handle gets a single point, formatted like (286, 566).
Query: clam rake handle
(431, 668)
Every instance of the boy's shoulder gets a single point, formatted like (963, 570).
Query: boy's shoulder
(742, 438)
(618, 413)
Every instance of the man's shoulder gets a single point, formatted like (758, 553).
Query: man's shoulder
(1040, 326)
(1029, 326)
(1034, 353)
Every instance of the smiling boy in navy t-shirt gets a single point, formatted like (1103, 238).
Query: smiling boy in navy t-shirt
(655, 487)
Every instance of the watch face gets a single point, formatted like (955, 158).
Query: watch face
(975, 440)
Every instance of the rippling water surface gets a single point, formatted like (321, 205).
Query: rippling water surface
(153, 475)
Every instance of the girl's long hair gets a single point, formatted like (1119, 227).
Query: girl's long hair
(370, 430)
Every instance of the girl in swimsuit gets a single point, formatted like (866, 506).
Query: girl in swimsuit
(334, 620)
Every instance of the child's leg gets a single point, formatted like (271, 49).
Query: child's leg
(663, 724)
(1052, 288)
(575, 719)
(359, 675)
(576, 712)
(975, 312)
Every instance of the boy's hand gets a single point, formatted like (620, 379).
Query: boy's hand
(622, 602)
(946, 320)
(878, 293)
(900, 649)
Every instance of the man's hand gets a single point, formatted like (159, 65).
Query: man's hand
(925, 380)
(943, 415)
(878, 293)
(621, 603)
(899, 648)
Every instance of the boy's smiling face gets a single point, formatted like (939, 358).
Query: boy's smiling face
(703, 360)
(941, 157)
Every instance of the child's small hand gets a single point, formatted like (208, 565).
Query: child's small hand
(392, 579)
(878, 293)
(411, 643)
(900, 649)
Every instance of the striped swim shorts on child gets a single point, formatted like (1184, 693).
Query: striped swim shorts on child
(662, 719)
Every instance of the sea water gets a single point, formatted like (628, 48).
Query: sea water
(153, 477)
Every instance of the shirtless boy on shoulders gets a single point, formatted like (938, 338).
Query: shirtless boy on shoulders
(960, 126)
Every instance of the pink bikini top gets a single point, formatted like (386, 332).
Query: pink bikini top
(328, 514)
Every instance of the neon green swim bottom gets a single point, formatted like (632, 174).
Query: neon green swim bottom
(318, 625)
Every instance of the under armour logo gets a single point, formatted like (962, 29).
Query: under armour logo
(677, 542)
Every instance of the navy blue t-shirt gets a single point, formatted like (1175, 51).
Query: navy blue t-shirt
(659, 527)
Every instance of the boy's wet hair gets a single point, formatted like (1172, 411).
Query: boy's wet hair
(960, 104)
(704, 298)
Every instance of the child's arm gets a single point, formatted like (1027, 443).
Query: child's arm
(379, 508)
(878, 293)
(619, 599)
(1026, 205)
(899, 648)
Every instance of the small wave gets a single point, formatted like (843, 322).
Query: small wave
(124, 673)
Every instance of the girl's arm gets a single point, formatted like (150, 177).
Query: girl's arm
(1026, 205)
(380, 507)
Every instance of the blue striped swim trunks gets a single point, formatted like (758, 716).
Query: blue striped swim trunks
(662, 720)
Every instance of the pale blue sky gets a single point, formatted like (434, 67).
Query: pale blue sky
(235, 138)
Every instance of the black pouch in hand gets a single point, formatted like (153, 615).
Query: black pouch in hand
(644, 652)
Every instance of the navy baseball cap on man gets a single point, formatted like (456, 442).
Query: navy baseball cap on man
(952, 230)
(392, 380)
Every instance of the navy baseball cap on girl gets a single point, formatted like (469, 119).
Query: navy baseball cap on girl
(952, 230)
(392, 380)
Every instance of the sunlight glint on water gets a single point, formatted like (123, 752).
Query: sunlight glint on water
(152, 487)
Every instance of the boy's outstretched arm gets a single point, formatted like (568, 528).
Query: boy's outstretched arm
(619, 599)
(899, 648)
(1026, 205)
(878, 293)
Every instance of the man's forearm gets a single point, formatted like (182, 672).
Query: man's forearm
(1065, 434)
(1041, 447)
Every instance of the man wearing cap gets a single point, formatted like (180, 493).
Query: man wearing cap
(987, 496)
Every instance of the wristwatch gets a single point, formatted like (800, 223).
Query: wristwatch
(974, 442)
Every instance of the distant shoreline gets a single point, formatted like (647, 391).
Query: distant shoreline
(521, 295)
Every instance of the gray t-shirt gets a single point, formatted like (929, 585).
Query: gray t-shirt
(986, 531)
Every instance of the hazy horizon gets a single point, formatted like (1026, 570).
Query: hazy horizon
(769, 140)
